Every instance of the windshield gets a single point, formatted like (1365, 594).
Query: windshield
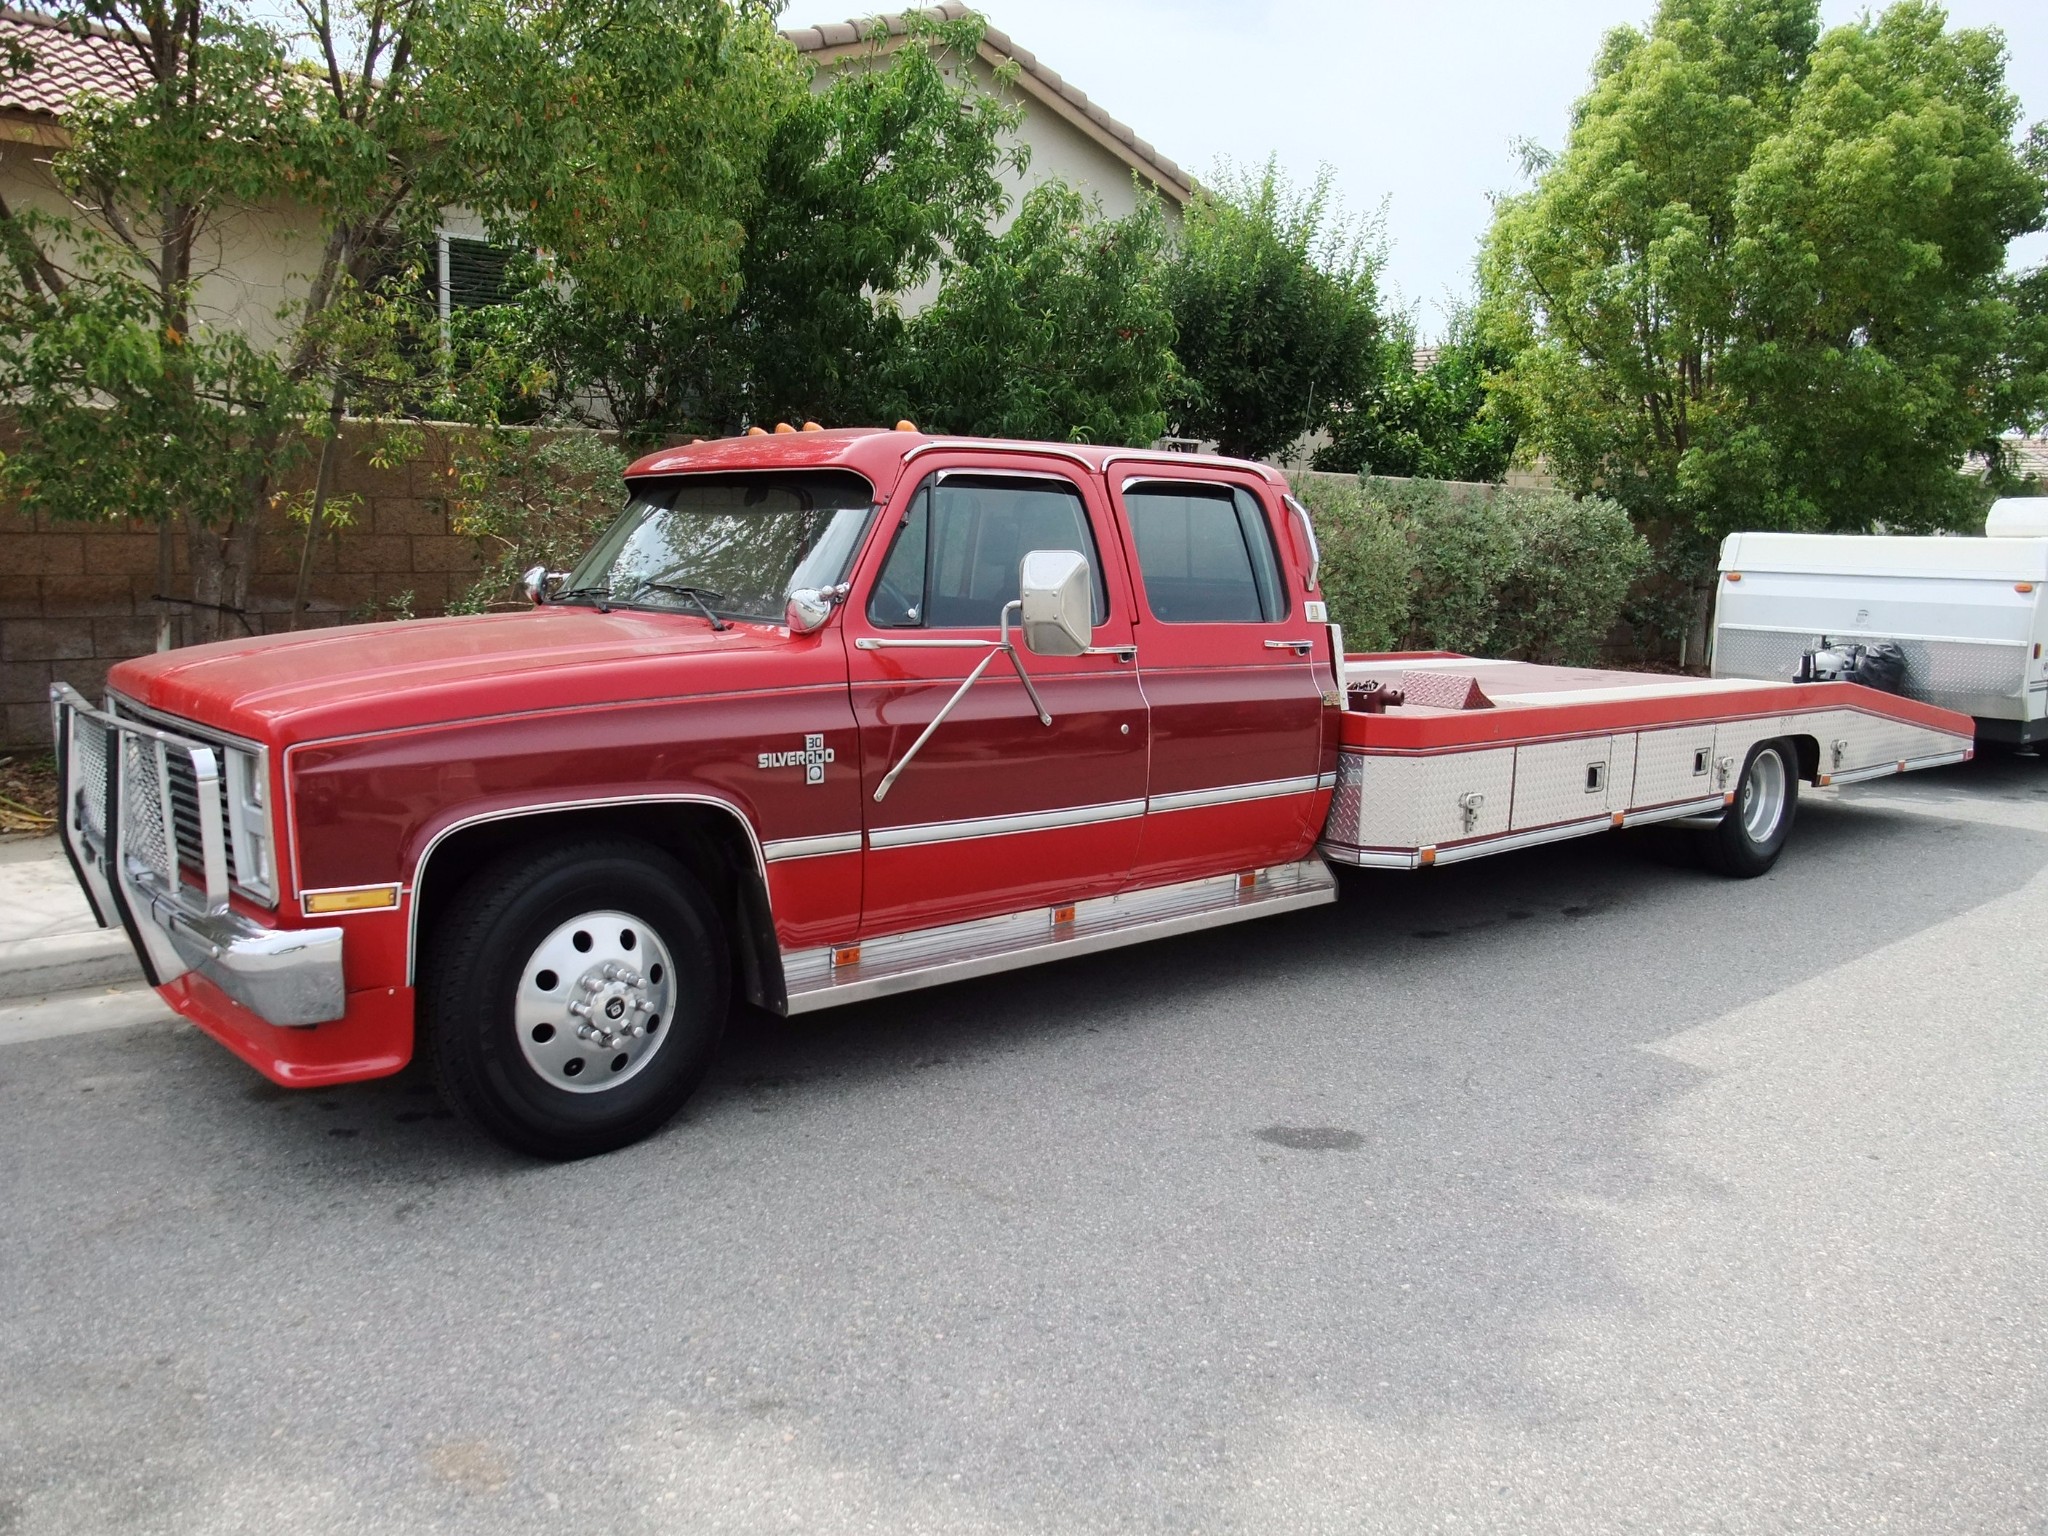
(737, 545)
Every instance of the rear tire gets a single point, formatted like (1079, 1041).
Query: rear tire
(1753, 830)
(574, 996)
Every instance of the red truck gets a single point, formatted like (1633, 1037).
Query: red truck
(830, 715)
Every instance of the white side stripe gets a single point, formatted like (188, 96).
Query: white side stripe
(1228, 794)
(811, 847)
(1003, 826)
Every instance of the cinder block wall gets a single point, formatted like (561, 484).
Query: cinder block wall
(77, 597)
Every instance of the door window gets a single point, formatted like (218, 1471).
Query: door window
(955, 561)
(1206, 554)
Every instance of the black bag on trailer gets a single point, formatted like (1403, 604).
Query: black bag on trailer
(1881, 665)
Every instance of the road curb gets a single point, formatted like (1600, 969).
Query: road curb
(66, 962)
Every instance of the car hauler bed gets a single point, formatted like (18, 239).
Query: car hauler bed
(1483, 756)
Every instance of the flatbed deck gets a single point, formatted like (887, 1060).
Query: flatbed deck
(1482, 756)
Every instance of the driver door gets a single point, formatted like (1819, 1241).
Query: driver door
(997, 812)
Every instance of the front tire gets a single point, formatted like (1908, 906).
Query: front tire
(574, 996)
(1753, 830)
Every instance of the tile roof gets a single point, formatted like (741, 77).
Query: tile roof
(845, 36)
(69, 62)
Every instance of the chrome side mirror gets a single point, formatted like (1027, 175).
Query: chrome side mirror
(535, 583)
(1058, 594)
(810, 607)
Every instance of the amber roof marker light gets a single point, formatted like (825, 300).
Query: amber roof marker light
(906, 426)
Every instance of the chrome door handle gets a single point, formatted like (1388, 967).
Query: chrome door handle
(1299, 647)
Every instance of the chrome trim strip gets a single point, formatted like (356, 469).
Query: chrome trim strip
(1369, 858)
(1457, 853)
(988, 946)
(982, 445)
(810, 847)
(1002, 826)
(1327, 780)
(1230, 794)
(1261, 472)
(1712, 805)
(513, 812)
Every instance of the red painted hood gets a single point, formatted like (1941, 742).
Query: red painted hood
(371, 677)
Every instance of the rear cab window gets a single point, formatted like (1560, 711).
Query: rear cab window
(1205, 553)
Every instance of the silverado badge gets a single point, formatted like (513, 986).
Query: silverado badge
(813, 759)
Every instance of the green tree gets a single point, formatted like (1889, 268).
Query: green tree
(866, 189)
(611, 133)
(1763, 285)
(1437, 422)
(1059, 328)
(1274, 300)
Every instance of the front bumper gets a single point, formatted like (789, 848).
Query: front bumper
(117, 819)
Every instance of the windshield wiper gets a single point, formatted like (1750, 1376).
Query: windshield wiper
(600, 597)
(690, 594)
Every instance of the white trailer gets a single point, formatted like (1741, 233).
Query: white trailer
(1970, 614)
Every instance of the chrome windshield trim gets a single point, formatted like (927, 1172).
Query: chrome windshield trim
(811, 847)
(1230, 794)
(1003, 826)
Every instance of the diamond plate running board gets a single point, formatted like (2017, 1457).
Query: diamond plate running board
(825, 978)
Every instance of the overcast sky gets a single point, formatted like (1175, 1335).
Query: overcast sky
(1416, 104)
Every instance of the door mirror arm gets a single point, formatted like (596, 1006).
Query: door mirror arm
(1003, 647)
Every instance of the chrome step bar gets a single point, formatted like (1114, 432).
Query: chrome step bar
(825, 978)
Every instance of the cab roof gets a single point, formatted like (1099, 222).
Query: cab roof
(879, 454)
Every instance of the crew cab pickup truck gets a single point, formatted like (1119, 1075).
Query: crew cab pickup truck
(825, 716)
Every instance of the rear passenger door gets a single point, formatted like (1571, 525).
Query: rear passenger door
(1233, 675)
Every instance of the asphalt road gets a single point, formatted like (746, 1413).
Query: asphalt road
(1574, 1190)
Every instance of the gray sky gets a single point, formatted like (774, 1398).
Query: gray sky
(1417, 104)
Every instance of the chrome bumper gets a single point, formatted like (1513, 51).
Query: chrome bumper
(113, 779)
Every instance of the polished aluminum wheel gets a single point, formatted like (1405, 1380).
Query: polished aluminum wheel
(594, 1001)
(1762, 802)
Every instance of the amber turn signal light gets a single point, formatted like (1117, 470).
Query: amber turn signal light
(1735, 575)
(368, 898)
(2023, 586)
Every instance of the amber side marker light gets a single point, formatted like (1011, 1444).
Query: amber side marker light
(846, 954)
(2023, 586)
(1735, 575)
(371, 898)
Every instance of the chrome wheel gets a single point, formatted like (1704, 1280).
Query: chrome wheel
(593, 1001)
(1761, 803)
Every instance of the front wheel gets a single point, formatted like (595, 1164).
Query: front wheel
(574, 996)
(1752, 832)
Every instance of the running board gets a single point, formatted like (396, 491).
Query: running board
(825, 978)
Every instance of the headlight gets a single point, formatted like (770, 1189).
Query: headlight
(249, 839)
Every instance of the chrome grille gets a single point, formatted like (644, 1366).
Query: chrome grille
(143, 833)
(184, 787)
(88, 778)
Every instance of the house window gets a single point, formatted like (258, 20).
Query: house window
(473, 273)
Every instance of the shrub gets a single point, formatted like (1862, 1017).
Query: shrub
(1425, 565)
(1576, 562)
(1366, 574)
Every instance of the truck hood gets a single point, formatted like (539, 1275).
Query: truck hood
(374, 677)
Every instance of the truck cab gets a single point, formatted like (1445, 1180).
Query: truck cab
(822, 716)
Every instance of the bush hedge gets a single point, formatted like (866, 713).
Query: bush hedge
(1426, 565)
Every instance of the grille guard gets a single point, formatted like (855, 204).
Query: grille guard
(117, 823)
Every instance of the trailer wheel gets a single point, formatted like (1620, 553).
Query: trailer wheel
(574, 996)
(1752, 831)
